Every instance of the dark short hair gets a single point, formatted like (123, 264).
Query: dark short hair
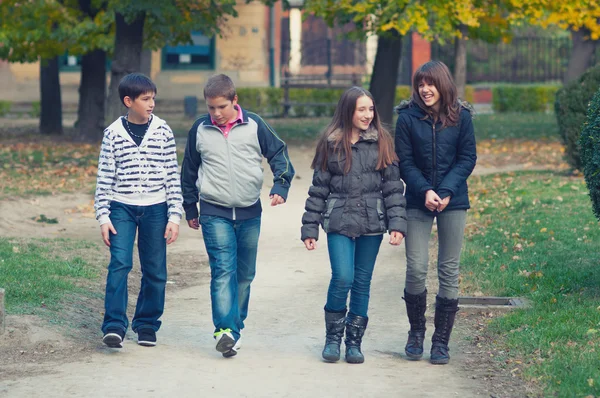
(135, 84)
(219, 86)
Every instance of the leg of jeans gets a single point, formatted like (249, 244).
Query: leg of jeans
(247, 233)
(365, 254)
(123, 220)
(451, 230)
(418, 233)
(221, 246)
(341, 257)
(152, 248)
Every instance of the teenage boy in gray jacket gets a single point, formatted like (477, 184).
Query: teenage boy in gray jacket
(222, 169)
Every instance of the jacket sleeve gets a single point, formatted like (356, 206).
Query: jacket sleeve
(275, 150)
(315, 204)
(173, 186)
(466, 157)
(192, 161)
(393, 189)
(105, 179)
(409, 171)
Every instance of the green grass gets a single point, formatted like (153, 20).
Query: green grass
(38, 274)
(533, 235)
(527, 126)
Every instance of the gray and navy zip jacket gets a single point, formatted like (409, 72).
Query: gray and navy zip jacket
(138, 175)
(225, 174)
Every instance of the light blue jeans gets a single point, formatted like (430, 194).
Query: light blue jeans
(352, 263)
(451, 229)
(232, 248)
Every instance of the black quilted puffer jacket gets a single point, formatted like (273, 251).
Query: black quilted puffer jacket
(432, 157)
(363, 202)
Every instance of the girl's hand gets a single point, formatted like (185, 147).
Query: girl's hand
(276, 200)
(396, 238)
(310, 243)
(443, 204)
(104, 231)
(432, 200)
(171, 232)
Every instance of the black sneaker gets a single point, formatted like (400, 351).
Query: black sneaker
(114, 338)
(146, 337)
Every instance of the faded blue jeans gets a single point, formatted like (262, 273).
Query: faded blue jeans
(232, 247)
(352, 263)
(451, 229)
(150, 223)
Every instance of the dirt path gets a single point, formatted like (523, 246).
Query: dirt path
(284, 332)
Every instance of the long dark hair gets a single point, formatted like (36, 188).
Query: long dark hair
(438, 74)
(342, 145)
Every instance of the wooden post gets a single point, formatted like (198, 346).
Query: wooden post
(1, 311)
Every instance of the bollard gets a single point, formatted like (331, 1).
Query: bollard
(1, 311)
(190, 105)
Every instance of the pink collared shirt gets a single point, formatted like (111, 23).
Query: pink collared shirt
(225, 129)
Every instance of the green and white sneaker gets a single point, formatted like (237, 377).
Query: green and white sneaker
(225, 340)
(234, 350)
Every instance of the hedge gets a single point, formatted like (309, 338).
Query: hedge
(269, 100)
(4, 108)
(571, 107)
(523, 98)
(589, 143)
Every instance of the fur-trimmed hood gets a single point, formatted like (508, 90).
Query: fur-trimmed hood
(370, 134)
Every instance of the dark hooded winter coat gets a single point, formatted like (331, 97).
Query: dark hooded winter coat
(366, 201)
(432, 157)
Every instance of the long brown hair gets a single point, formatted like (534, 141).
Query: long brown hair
(342, 145)
(438, 74)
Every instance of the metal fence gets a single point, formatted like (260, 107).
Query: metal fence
(523, 60)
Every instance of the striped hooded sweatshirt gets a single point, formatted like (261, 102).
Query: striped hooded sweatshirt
(140, 176)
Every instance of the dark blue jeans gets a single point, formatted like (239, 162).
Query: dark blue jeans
(352, 263)
(231, 247)
(150, 222)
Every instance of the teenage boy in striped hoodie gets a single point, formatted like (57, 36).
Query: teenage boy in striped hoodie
(138, 191)
(222, 170)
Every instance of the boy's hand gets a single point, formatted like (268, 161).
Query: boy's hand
(194, 223)
(105, 230)
(276, 200)
(310, 243)
(432, 200)
(171, 232)
(396, 238)
(443, 203)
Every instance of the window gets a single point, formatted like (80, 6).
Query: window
(198, 55)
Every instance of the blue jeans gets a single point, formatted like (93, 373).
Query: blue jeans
(352, 263)
(150, 222)
(231, 246)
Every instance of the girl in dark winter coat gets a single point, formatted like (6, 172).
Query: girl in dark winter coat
(436, 147)
(356, 195)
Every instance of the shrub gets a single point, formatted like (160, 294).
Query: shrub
(570, 108)
(404, 93)
(4, 108)
(36, 109)
(523, 98)
(589, 143)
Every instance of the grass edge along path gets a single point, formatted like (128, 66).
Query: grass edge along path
(533, 235)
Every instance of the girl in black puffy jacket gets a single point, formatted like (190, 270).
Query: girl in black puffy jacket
(435, 145)
(356, 196)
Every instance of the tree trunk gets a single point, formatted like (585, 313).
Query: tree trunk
(129, 39)
(460, 63)
(385, 75)
(581, 55)
(92, 95)
(50, 104)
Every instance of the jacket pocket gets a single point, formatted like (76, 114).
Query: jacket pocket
(332, 219)
(376, 216)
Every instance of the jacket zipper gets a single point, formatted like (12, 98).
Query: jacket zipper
(434, 159)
